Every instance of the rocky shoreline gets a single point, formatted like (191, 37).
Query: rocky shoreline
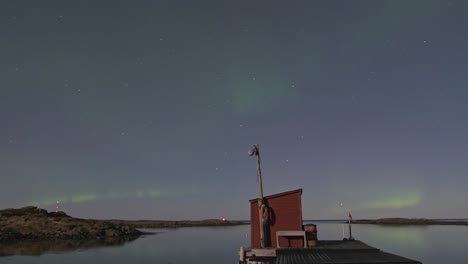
(32, 223)
(408, 221)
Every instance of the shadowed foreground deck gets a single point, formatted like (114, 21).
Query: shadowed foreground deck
(331, 252)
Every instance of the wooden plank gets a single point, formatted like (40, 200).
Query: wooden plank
(338, 251)
(330, 252)
(307, 256)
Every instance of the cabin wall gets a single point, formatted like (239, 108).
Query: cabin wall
(286, 215)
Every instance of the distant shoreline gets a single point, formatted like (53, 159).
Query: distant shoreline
(216, 222)
(409, 221)
(176, 224)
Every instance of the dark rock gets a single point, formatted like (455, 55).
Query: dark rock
(32, 223)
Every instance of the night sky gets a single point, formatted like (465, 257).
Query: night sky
(146, 109)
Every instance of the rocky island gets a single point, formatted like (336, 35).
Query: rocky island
(32, 223)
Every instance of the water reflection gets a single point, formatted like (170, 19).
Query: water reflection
(204, 245)
(410, 237)
(38, 248)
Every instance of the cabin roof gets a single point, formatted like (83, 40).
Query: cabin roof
(278, 195)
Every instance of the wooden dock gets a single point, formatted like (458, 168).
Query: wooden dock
(326, 251)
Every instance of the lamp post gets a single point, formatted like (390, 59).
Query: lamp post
(350, 218)
(255, 151)
(342, 225)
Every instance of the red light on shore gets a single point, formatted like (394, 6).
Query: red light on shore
(224, 219)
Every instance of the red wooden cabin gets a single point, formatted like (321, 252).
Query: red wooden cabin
(285, 214)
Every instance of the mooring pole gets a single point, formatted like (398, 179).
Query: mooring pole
(260, 198)
(261, 206)
(349, 221)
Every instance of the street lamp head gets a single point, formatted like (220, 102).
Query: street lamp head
(252, 151)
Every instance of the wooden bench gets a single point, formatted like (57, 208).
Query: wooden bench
(298, 233)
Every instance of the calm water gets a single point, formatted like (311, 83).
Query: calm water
(429, 244)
